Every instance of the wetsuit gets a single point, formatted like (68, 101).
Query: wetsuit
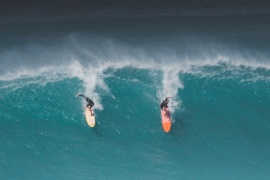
(90, 102)
(164, 104)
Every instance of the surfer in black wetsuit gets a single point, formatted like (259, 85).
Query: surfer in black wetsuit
(164, 104)
(89, 101)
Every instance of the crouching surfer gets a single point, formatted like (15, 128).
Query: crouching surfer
(164, 104)
(89, 104)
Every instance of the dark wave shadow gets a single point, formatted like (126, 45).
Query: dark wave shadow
(178, 127)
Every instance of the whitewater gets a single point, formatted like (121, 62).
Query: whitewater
(219, 111)
(214, 63)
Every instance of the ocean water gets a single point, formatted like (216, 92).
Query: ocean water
(213, 59)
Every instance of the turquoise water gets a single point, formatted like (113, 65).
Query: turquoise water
(211, 57)
(220, 127)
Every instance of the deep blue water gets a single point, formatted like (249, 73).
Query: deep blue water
(128, 56)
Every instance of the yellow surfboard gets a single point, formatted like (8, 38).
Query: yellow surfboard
(90, 118)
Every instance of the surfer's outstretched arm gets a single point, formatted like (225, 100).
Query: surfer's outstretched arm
(80, 95)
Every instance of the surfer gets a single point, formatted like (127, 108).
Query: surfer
(164, 104)
(89, 101)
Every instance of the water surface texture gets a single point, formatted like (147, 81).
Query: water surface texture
(211, 57)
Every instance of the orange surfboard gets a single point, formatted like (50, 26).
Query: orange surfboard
(166, 120)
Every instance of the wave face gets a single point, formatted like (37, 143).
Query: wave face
(215, 66)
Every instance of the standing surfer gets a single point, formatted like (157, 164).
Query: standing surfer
(164, 104)
(165, 115)
(89, 101)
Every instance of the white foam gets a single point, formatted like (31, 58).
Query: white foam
(171, 85)
(88, 64)
(92, 78)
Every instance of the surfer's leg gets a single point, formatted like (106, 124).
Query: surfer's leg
(166, 107)
(92, 113)
(90, 108)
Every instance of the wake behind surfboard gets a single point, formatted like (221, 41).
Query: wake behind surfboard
(166, 120)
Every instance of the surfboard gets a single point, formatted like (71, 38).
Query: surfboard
(166, 120)
(91, 120)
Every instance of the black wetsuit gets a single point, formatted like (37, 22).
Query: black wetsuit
(164, 104)
(90, 102)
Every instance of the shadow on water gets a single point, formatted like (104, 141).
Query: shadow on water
(178, 127)
(97, 129)
(90, 133)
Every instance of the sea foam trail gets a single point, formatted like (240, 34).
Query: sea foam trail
(170, 87)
